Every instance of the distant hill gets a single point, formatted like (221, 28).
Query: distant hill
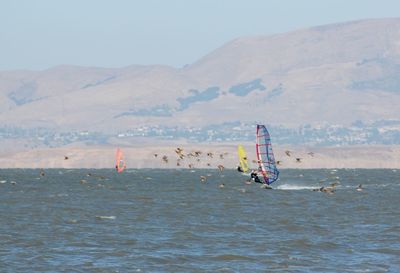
(338, 74)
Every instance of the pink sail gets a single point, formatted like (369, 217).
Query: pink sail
(120, 163)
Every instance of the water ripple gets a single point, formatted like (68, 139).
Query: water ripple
(69, 221)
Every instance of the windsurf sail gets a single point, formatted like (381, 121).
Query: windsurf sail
(243, 159)
(265, 155)
(120, 163)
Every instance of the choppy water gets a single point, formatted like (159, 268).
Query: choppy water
(169, 221)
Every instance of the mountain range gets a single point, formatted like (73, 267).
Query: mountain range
(337, 74)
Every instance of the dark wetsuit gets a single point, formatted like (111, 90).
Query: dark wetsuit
(255, 177)
(239, 169)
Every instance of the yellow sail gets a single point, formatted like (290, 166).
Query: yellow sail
(243, 158)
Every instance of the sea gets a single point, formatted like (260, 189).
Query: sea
(186, 220)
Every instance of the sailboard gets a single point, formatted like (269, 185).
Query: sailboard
(120, 163)
(265, 155)
(243, 159)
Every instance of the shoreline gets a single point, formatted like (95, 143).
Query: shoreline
(140, 157)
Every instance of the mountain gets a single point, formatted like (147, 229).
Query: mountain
(338, 75)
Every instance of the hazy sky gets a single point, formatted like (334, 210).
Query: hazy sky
(38, 34)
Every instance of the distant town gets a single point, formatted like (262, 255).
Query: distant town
(385, 132)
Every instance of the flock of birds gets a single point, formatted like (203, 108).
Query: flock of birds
(192, 156)
(197, 155)
(189, 159)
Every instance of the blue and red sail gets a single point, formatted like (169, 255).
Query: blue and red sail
(265, 155)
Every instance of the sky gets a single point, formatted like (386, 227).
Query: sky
(40, 34)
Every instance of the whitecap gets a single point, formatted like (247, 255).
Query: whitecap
(102, 217)
(294, 187)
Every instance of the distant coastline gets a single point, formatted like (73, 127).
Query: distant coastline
(147, 156)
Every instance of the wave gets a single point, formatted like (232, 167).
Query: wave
(104, 217)
(295, 187)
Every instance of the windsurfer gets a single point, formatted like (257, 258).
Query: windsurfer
(239, 169)
(120, 164)
(265, 158)
(255, 177)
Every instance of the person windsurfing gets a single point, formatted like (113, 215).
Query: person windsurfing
(254, 177)
(239, 169)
